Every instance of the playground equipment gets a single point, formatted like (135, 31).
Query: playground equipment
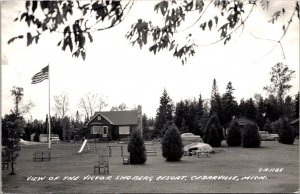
(84, 144)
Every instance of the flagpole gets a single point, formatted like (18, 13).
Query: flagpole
(49, 119)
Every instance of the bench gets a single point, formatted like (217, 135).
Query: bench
(41, 156)
(5, 165)
(101, 163)
(126, 159)
(202, 153)
(151, 151)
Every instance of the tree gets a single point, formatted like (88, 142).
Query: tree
(250, 110)
(297, 97)
(17, 93)
(91, 103)
(76, 29)
(288, 107)
(11, 151)
(272, 108)
(285, 132)
(229, 104)
(234, 134)
(213, 132)
(215, 101)
(281, 75)
(268, 126)
(172, 147)
(261, 112)
(250, 136)
(121, 107)
(61, 104)
(164, 113)
(137, 149)
(66, 127)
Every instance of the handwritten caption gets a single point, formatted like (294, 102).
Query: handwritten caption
(146, 178)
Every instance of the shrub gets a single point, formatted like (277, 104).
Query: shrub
(136, 148)
(234, 134)
(213, 132)
(285, 132)
(250, 136)
(172, 147)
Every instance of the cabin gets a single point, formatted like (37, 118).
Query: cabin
(114, 125)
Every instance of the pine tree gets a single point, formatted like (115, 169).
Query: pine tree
(172, 147)
(164, 113)
(250, 136)
(285, 132)
(250, 110)
(229, 104)
(179, 114)
(260, 117)
(297, 106)
(234, 134)
(213, 129)
(215, 100)
(136, 148)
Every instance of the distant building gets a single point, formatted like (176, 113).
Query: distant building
(43, 137)
(115, 125)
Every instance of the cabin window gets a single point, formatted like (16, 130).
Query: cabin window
(99, 118)
(95, 130)
(124, 130)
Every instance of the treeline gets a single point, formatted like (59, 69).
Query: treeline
(67, 128)
(192, 115)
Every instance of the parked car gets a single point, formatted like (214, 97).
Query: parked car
(188, 149)
(54, 140)
(266, 136)
(188, 138)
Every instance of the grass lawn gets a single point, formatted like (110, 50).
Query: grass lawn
(227, 161)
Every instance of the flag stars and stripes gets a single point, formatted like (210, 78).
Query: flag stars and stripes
(41, 76)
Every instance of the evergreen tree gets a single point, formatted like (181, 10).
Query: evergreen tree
(164, 113)
(146, 132)
(297, 106)
(288, 107)
(172, 147)
(234, 134)
(213, 129)
(250, 110)
(272, 108)
(136, 148)
(179, 114)
(229, 104)
(250, 136)
(242, 108)
(215, 101)
(285, 132)
(261, 111)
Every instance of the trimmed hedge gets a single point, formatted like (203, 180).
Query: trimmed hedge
(213, 132)
(285, 132)
(136, 148)
(172, 147)
(234, 136)
(250, 136)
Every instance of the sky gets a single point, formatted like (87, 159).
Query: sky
(134, 76)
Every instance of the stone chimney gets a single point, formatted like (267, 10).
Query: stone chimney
(140, 119)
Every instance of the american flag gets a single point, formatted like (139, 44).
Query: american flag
(40, 76)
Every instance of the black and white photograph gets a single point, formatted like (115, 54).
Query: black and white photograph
(149, 96)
